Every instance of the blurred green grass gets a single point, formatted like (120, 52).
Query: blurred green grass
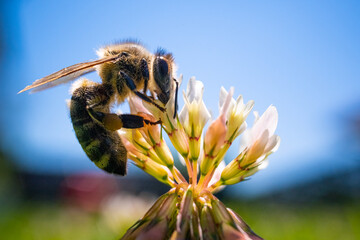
(301, 222)
(271, 221)
(46, 221)
(23, 219)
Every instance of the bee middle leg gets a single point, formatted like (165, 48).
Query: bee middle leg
(131, 85)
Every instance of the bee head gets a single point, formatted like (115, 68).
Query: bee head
(162, 72)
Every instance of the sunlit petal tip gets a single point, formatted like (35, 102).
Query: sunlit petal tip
(240, 100)
(264, 164)
(195, 89)
(277, 145)
(222, 96)
(224, 109)
(256, 116)
(180, 79)
(204, 113)
(248, 107)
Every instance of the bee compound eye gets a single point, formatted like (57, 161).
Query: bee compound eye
(163, 67)
(162, 79)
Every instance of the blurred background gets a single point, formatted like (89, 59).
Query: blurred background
(301, 56)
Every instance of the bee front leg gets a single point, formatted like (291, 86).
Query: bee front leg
(176, 97)
(131, 85)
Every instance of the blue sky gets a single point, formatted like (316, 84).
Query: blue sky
(301, 56)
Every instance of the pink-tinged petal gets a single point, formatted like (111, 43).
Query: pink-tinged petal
(273, 142)
(136, 105)
(226, 105)
(215, 136)
(267, 121)
(223, 97)
(257, 148)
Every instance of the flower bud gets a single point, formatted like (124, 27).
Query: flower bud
(208, 224)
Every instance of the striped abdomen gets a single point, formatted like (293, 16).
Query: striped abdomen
(102, 146)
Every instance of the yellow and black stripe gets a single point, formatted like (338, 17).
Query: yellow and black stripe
(102, 146)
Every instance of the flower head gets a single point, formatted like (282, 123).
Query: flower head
(189, 209)
(194, 115)
(257, 144)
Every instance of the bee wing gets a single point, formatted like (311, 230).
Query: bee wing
(67, 74)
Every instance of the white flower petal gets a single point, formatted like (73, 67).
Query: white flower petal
(222, 96)
(249, 105)
(217, 174)
(195, 89)
(226, 104)
(267, 121)
(181, 159)
(242, 128)
(246, 140)
(240, 100)
(264, 164)
(184, 115)
(204, 113)
(256, 116)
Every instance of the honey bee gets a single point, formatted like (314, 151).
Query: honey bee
(126, 68)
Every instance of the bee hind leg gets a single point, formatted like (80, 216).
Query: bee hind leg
(89, 103)
(115, 122)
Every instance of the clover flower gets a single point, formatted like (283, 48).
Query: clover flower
(189, 210)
